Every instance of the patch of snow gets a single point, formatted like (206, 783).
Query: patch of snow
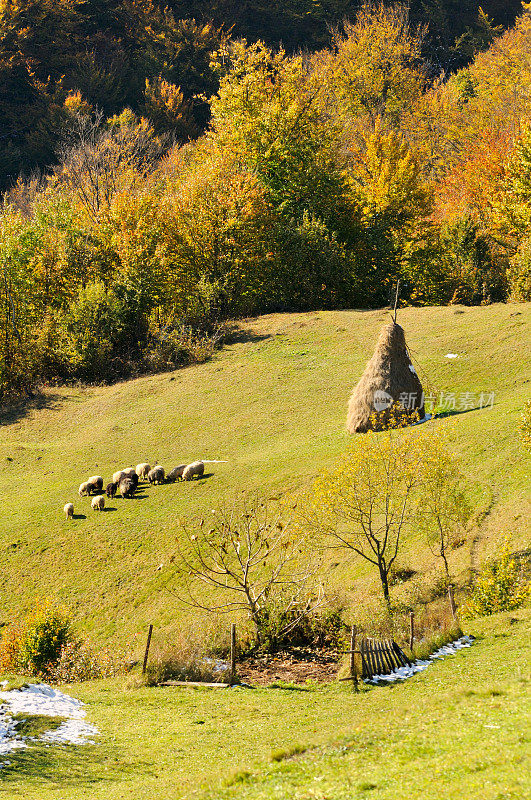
(45, 701)
(402, 673)
(451, 355)
(426, 418)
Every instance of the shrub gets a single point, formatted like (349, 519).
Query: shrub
(33, 646)
(77, 662)
(500, 586)
(300, 627)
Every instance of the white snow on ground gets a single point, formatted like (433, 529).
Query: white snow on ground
(426, 418)
(418, 666)
(451, 355)
(45, 701)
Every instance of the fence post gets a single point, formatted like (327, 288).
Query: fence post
(452, 600)
(232, 678)
(411, 629)
(353, 670)
(150, 631)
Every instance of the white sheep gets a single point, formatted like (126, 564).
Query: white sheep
(128, 471)
(117, 476)
(156, 475)
(83, 489)
(69, 510)
(142, 470)
(95, 484)
(98, 502)
(175, 473)
(196, 468)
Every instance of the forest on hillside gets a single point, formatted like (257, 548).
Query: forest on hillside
(169, 166)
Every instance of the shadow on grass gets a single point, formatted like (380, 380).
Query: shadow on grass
(67, 765)
(34, 401)
(456, 412)
(241, 336)
(79, 516)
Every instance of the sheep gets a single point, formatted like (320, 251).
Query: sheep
(95, 484)
(127, 487)
(83, 489)
(111, 489)
(142, 470)
(134, 479)
(197, 468)
(156, 475)
(117, 476)
(98, 502)
(176, 472)
(129, 472)
(69, 510)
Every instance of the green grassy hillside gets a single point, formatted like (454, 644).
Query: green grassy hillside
(273, 405)
(459, 729)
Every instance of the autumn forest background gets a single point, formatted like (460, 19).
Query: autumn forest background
(168, 166)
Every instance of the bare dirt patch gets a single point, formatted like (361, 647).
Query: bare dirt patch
(295, 666)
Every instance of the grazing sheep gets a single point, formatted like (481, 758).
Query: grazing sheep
(95, 484)
(98, 502)
(111, 489)
(142, 470)
(196, 469)
(129, 472)
(176, 472)
(156, 475)
(83, 489)
(117, 477)
(134, 478)
(127, 487)
(69, 510)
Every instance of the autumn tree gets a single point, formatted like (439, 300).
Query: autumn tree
(367, 503)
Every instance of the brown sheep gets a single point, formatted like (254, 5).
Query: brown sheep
(111, 489)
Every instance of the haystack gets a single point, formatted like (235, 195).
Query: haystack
(388, 386)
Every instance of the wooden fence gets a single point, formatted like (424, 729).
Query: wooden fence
(377, 656)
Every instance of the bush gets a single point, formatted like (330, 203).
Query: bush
(77, 662)
(500, 586)
(282, 629)
(35, 645)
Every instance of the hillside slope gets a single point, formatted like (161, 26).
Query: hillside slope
(273, 405)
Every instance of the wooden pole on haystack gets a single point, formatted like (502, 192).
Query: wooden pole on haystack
(396, 300)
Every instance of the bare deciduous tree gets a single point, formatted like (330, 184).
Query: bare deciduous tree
(99, 159)
(251, 559)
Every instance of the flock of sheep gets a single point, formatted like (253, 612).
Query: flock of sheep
(125, 482)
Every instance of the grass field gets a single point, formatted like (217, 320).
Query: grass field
(458, 730)
(273, 405)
